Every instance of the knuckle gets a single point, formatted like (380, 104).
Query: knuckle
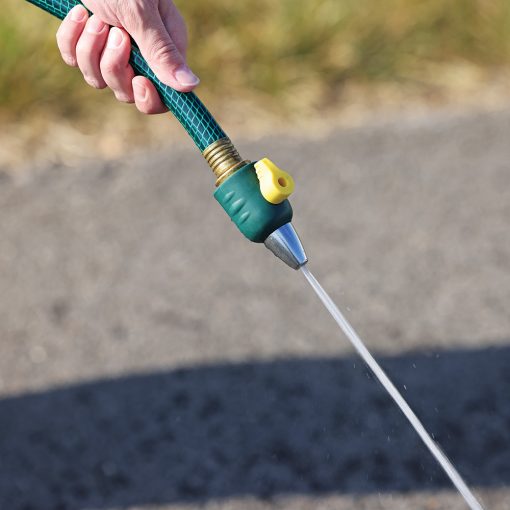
(135, 12)
(111, 66)
(123, 98)
(146, 107)
(142, 109)
(69, 59)
(138, 9)
(164, 52)
(94, 83)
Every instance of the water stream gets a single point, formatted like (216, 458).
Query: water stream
(360, 347)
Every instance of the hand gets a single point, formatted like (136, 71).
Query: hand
(102, 53)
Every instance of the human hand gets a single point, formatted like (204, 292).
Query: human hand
(102, 51)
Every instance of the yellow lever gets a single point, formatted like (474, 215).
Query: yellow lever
(275, 184)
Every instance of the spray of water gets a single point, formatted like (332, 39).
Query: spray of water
(360, 347)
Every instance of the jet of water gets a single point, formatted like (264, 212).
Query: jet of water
(360, 347)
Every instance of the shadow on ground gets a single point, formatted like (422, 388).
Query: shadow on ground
(305, 426)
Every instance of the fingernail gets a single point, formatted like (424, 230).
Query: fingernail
(185, 77)
(115, 38)
(140, 91)
(78, 13)
(95, 25)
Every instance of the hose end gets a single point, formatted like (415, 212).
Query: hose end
(223, 159)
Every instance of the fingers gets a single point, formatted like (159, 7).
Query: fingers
(162, 53)
(88, 51)
(147, 99)
(69, 33)
(119, 76)
(102, 53)
(115, 68)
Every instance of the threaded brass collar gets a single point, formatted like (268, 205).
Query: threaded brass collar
(223, 158)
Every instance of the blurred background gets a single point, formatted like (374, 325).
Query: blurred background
(262, 63)
(152, 358)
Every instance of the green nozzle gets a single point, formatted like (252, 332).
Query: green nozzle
(253, 215)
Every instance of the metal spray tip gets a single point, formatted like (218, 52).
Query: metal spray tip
(286, 245)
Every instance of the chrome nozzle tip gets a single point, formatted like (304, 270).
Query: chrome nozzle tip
(286, 245)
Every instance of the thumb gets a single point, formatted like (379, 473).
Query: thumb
(162, 54)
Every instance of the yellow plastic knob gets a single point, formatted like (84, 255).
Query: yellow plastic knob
(275, 184)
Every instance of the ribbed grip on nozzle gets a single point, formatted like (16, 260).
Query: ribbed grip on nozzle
(253, 215)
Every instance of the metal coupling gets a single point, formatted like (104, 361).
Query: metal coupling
(224, 159)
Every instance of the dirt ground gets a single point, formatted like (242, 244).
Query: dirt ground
(152, 358)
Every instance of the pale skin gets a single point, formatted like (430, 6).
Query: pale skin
(99, 45)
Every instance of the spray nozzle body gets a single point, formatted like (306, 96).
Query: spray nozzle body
(255, 197)
(242, 200)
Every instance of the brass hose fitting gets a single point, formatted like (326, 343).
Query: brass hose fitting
(223, 158)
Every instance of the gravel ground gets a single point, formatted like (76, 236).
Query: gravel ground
(152, 358)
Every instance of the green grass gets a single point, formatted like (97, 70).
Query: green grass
(286, 54)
